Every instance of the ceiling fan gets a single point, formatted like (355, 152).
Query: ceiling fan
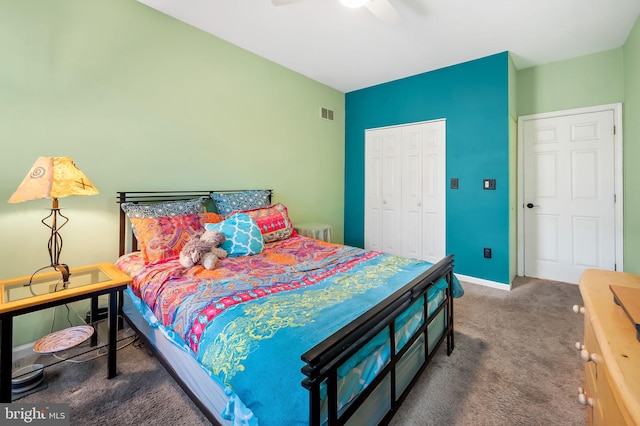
(382, 9)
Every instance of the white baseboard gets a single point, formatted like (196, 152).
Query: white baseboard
(486, 283)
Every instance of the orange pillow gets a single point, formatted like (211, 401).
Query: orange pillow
(162, 238)
(211, 217)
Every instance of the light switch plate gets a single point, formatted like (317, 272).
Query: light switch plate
(489, 184)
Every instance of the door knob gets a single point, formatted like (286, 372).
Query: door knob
(531, 205)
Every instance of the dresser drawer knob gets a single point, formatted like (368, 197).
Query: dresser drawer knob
(579, 346)
(583, 399)
(578, 309)
(586, 356)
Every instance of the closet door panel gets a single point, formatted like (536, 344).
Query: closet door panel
(373, 192)
(383, 190)
(412, 191)
(392, 191)
(434, 191)
(430, 247)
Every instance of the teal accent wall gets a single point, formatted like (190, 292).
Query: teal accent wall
(142, 101)
(473, 98)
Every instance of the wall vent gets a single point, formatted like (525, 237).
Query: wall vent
(326, 113)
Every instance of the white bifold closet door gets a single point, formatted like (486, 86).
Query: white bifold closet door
(405, 174)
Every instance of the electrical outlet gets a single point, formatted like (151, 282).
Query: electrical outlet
(454, 183)
(487, 253)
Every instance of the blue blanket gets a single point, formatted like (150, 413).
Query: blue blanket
(254, 348)
(249, 320)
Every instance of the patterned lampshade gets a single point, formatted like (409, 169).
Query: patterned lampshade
(53, 177)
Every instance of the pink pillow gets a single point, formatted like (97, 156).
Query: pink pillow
(162, 238)
(273, 221)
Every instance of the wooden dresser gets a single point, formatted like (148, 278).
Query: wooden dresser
(611, 352)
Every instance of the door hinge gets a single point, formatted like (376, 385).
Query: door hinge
(614, 129)
(615, 266)
(615, 198)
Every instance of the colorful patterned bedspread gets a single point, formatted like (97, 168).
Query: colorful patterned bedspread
(224, 316)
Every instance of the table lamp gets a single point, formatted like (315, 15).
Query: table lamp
(54, 177)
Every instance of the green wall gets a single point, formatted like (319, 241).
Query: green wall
(513, 170)
(631, 150)
(580, 82)
(603, 78)
(142, 101)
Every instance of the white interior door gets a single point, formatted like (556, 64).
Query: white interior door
(569, 195)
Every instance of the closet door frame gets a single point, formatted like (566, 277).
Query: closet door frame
(386, 216)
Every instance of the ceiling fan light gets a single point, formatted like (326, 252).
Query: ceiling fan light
(354, 3)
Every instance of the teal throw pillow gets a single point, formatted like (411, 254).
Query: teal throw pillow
(243, 235)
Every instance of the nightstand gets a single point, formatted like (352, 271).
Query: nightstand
(29, 294)
(319, 231)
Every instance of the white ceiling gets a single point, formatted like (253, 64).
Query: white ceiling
(349, 49)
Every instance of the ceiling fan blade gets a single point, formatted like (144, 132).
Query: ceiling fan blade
(384, 11)
(282, 2)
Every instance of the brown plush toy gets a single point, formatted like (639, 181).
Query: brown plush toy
(203, 248)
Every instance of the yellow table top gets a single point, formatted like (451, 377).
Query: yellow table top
(28, 291)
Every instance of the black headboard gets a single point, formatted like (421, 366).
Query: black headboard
(151, 197)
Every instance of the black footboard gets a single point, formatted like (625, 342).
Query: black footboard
(324, 360)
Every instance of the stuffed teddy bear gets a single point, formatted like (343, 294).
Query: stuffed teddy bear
(203, 247)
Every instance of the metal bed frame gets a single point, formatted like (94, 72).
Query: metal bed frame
(323, 360)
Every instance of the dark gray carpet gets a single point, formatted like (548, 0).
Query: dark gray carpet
(514, 364)
(514, 361)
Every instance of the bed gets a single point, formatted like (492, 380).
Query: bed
(286, 330)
